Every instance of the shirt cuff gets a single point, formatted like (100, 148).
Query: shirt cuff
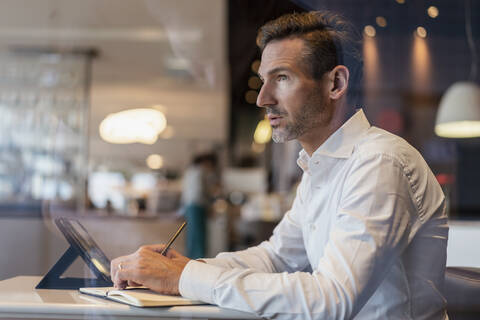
(212, 262)
(197, 281)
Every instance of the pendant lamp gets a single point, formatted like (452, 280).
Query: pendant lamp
(458, 115)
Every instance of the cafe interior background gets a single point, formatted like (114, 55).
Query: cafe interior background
(103, 104)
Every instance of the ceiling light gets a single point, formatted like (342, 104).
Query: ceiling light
(369, 31)
(400, 1)
(421, 32)
(459, 112)
(154, 161)
(263, 132)
(135, 125)
(432, 11)
(458, 115)
(381, 21)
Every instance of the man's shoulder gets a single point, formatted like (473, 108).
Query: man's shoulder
(379, 142)
(396, 151)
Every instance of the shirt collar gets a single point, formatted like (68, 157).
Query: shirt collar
(341, 143)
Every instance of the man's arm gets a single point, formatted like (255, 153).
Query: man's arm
(370, 231)
(284, 251)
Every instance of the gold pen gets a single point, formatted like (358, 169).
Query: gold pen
(164, 251)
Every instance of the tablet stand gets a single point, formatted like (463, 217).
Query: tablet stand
(54, 280)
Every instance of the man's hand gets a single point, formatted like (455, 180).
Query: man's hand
(148, 267)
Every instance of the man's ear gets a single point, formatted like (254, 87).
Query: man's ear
(338, 82)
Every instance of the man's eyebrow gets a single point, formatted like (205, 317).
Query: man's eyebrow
(277, 70)
(274, 71)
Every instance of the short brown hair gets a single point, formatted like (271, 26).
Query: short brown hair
(330, 38)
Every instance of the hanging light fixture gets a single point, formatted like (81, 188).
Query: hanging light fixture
(142, 125)
(459, 112)
(458, 115)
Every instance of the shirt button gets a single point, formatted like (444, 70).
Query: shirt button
(312, 227)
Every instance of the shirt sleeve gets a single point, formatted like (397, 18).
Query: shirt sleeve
(284, 251)
(369, 231)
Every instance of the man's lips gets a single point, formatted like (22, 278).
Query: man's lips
(274, 120)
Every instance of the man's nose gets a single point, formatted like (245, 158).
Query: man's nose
(265, 97)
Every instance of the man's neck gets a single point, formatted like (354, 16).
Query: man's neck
(312, 140)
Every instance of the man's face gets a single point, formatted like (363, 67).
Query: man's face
(295, 102)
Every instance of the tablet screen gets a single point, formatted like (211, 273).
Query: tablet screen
(78, 237)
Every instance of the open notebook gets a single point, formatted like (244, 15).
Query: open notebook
(139, 297)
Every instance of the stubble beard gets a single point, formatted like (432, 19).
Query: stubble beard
(292, 130)
(314, 113)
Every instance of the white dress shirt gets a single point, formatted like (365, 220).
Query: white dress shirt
(366, 238)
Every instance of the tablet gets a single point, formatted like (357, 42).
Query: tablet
(78, 237)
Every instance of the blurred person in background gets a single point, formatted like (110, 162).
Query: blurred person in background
(197, 191)
(366, 236)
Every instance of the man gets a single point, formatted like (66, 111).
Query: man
(367, 233)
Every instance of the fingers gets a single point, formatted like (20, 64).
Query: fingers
(125, 277)
(154, 247)
(127, 270)
(148, 267)
(117, 267)
(133, 283)
(128, 275)
(171, 253)
(144, 266)
(114, 266)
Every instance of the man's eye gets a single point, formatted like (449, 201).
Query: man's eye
(281, 77)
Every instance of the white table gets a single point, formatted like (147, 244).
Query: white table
(20, 299)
